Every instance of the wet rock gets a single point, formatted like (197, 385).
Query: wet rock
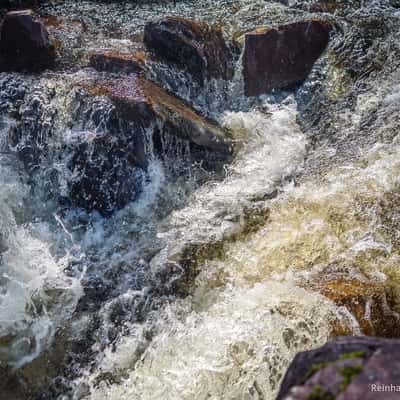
(36, 119)
(345, 369)
(112, 61)
(67, 38)
(105, 177)
(195, 46)
(360, 51)
(25, 43)
(279, 58)
(372, 304)
(108, 164)
(13, 89)
(148, 105)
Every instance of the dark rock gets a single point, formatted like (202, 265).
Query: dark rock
(111, 61)
(105, 177)
(13, 4)
(144, 122)
(360, 51)
(143, 102)
(344, 368)
(280, 58)
(25, 43)
(36, 117)
(195, 46)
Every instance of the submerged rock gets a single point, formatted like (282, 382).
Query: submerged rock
(278, 58)
(112, 61)
(105, 176)
(195, 46)
(345, 368)
(25, 43)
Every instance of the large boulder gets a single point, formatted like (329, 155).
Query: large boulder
(279, 58)
(144, 122)
(144, 103)
(25, 43)
(195, 46)
(346, 368)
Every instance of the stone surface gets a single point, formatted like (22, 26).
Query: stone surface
(195, 46)
(25, 43)
(278, 58)
(112, 61)
(106, 177)
(329, 379)
(141, 101)
(344, 368)
(382, 369)
(372, 303)
(144, 122)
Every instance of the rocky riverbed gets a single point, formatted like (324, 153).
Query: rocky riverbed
(195, 192)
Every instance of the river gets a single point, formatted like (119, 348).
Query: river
(205, 286)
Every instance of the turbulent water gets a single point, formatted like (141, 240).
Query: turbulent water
(204, 286)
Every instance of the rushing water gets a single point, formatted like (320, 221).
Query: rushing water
(202, 287)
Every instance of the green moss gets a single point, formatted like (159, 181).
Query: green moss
(349, 373)
(354, 354)
(314, 369)
(318, 366)
(319, 394)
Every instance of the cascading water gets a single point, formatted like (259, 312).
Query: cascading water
(205, 285)
(36, 295)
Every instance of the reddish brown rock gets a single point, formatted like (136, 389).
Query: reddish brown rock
(139, 100)
(112, 61)
(373, 304)
(195, 46)
(25, 43)
(278, 58)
